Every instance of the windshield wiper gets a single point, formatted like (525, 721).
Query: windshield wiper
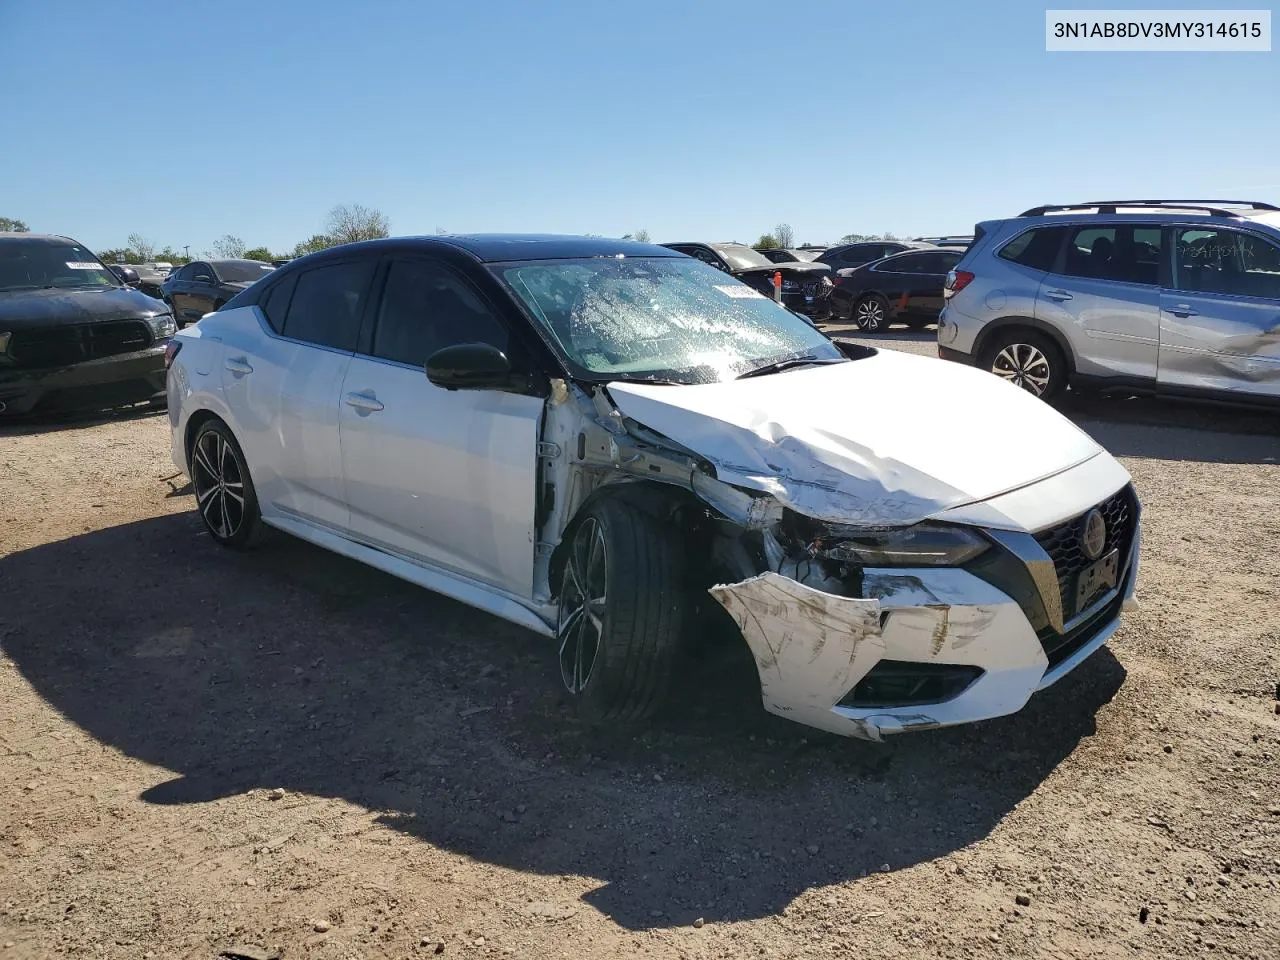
(788, 363)
(658, 380)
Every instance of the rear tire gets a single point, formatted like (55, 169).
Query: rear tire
(622, 606)
(225, 498)
(1027, 359)
(871, 314)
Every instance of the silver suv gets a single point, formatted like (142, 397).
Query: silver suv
(1150, 296)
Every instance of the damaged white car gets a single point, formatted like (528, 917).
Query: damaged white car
(591, 438)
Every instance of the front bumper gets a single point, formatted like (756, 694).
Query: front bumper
(91, 385)
(813, 648)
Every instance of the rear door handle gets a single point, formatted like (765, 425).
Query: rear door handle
(366, 402)
(1184, 310)
(238, 365)
(1059, 295)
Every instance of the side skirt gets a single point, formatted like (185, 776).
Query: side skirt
(540, 620)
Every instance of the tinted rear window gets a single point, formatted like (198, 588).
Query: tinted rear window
(241, 271)
(1037, 249)
(276, 303)
(327, 304)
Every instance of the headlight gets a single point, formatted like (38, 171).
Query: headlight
(162, 327)
(923, 545)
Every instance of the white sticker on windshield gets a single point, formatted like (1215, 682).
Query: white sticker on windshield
(82, 266)
(741, 291)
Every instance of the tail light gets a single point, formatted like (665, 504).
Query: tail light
(170, 351)
(957, 280)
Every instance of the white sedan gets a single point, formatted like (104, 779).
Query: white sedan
(584, 436)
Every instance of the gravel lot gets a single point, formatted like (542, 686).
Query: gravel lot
(286, 753)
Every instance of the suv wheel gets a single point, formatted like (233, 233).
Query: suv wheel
(621, 608)
(224, 491)
(871, 313)
(1028, 360)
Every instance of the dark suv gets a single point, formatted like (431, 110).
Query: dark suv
(805, 286)
(865, 251)
(72, 335)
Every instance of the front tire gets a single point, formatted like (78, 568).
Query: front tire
(622, 606)
(225, 497)
(1028, 360)
(871, 313)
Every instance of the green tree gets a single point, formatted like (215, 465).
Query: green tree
(259, 253)
(9, 225)
(767, 242)
(170, 255)
(142, 248)
(318, 241)
(860, 237)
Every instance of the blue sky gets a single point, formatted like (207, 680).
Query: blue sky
(695, 119)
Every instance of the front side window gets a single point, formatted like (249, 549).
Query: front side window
(1124, 253)
(1226, 261)
(328, 302)
(240, 271)
(202, 271)
(651, 318)
(427, 307)
(907, 263)
(44, 264)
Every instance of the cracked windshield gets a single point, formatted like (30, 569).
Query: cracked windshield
(662, 320)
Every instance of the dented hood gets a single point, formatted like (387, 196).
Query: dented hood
(889, 439)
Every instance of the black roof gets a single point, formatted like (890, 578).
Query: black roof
(493, 247)
(35, 237)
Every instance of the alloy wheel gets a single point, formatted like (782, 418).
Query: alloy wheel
(1024, 366)
(583, 594)
(870, 314)
(219, 484)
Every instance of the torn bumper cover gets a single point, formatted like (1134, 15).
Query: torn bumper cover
(953, 647)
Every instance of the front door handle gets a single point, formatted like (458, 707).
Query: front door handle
(1184, 310)
(1059, 295)
(364, 402)
(239, 366)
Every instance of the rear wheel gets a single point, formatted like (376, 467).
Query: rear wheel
(871, 313)
(1028, 360)
(622, 604)
(224, 491)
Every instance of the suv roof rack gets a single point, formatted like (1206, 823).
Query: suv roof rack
(1215, 208)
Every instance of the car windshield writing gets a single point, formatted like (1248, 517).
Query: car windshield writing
(36, 264)
(239, 271)
(657, 318)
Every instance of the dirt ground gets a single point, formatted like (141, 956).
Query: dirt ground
(285, 753)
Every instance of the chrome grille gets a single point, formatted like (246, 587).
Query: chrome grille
(1064, 543)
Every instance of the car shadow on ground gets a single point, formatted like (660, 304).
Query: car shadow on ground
(1160, 428)
(292, 667)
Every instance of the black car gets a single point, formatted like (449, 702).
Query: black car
(865, 251)
(906, 286)
(805, 286)
(203, 286)
(72, 335)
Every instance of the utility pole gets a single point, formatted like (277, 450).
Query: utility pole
(186, 250)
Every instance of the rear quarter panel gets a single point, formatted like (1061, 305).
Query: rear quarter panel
(1000, 290)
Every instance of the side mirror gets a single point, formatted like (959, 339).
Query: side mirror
(127, 275)
(472, 366)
